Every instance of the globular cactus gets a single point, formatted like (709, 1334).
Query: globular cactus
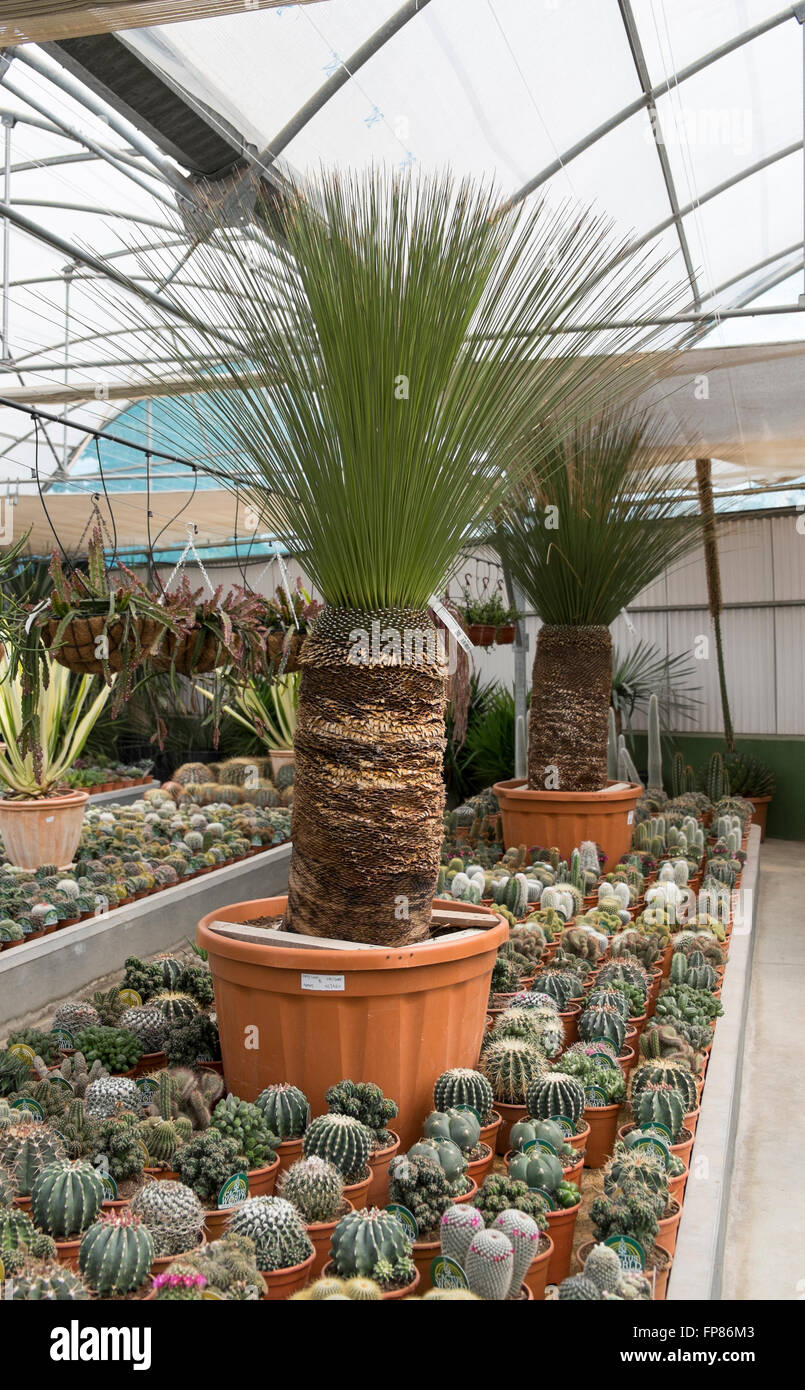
(116, 1254)
(577, 1288)
(244, 1122)
(524, 1235)
(459, 1225)
(176, 1007)
(172, 1214)
(609, 998)
(25, 1149)
(490, 1265)
(148, 1024)
(659, 1073)
(75, 1016)
(46, 1283)
(506, 976)
(285, 1109)
(603, 1267)
(462, 1086)
(460, 1126)
(277, 1230)
(373, 1244)
(510, 1065)
(163, 1138)
(19, 1239)
(561, 985)
(66, 1198)
(316, 1189)
(603, 1021)
(364, 1101)
(105, 1097)
(449, 1157)
(421, 1185)
(554, 1094)
(540, 1026)
(660, 1105)
(343, 1141)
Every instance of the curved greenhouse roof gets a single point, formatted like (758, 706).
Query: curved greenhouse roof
(681, 121)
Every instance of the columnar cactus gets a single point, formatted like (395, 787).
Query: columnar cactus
(490, 1265)
(276, 1228)
(66, 1198)
(462, 1086)
(116, 1254)
(315, 1187)
(510, 1065)
(172, 1213)
(373, 1244)
(604, 1268)
(285, 1110)
(343, 1141)
(459, 1224)
(525, 1235)
(554, 1094)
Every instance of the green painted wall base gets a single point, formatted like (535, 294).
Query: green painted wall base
(783, 753)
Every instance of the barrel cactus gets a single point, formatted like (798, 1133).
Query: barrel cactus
(285, 1109)
(603, 1021)
(172, 1214)
(510, 1065)
(75, 1016)
(105, 1097)
(176, 1007)
(277, 1230)
(462, 1086)
(659, 1073)
(541, 1026)
(373, 1244)
(25, 1149)
(19, 1237)
(556, 1093)
(49, 1283)
(342, 1141)
(316, 1189)
(116, 1254)
(66, 1198)
(148, 1024)
(660, 1105)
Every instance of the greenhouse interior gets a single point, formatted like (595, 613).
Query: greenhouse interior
(402, 646)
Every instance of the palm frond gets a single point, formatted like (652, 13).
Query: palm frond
(376, 375)
(644, 670)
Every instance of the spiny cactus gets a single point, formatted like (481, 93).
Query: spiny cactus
(276, 1228)
(116, 1254)
(373, 1244)
(244, 1122)
(173, 1215)
(315, 1187)
(541, 1026)
(110, 1094)
(19, 1237)
(524, 1235)
(577, 1288)
(285, 1110)
(556, 1093)
(66, 1198)
(74, 1069)
(148, 1024)
(76, 1015)
(46, 1282)
(164, 1138)
(419, 1183)
(660, 1105)
(25, 1149)
(650, 1074)
(459, 1224)
(603, 1021)
(176, 1007)
(490, 1265)
(364, 1101)
(341, 1140)
(206, 1160)
(510, 1065)
(462, 1086)
(604, 1268)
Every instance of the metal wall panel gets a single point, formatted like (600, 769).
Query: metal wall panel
(790, 670)
(789, 556)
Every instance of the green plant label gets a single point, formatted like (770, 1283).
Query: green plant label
(144, 1151)
(629, 1251)
(29, 1107)
(130, 998)
(211, 1293)
(147, 1087)
(61, 1083)
(406, 1219)
(545, 1145)
(608, 1053)
(657, 1127)
(446, 1273)
(64, 1038)
(549, 1197)
(109, 1187)
(605, 1059)
(566, 1125)
(471, 1111)
(596, 1096)
(655, 1145)
(234, 1190)
(23, 1052)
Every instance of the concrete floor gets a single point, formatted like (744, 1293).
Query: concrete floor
(764, 1252)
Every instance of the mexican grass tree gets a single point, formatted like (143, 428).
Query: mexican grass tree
(597, 520)
(375, 371)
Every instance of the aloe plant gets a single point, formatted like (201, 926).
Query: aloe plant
(66, 719)
(267, 708)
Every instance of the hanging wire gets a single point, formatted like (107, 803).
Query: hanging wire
(65, 556)
(175, 518)
(108, 502)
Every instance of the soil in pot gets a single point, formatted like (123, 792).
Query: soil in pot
(357, 1192)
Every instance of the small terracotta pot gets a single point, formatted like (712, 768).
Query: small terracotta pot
(537, 1274)
(281, 1283)
(669, 1227)
(561, 1229)
(115, 1203)
(478, 1169)
(216, 1220)
(676, 1186)
(163, 1174)
(656, 1259)
(509, 1115)
(682, 1149)
(379, 1161)
(329, 1271)
(357, 1192)
(321, 1234)
(262, 1180)
(626, 1060)
(570, 1023)
(24, 1203)
(67, 1252)
(637, 1023)
(288, 1152)
(151, 1061)
(578, 1141)
(466, 1197)
(489, 1133)
(691, 1120)
(603, 1122)
(574, 1171)
(422, 1252)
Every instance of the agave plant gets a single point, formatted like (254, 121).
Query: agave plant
(376, 371)
(591, 530)
(68, 709)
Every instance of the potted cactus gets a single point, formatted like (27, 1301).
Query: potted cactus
(364, 1101)
(316, 1188)
(65, 1200)
(287, 1113)
(174, 1218)
(420, 1184)
(283, 1250)
(373, 1244)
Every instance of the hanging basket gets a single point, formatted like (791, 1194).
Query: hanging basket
(190, 655)
(276, 642)
(481, 634)
(505, 635)
(77, 648)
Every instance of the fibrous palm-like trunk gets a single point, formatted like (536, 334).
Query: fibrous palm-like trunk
(368, 793)
(570, 695)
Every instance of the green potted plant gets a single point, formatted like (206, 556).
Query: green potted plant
(486, 618)
(585, 536)
(40, 815)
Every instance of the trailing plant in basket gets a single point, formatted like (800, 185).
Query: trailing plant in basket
(381, 388)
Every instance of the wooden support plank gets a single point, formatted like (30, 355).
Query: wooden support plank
(272, 936)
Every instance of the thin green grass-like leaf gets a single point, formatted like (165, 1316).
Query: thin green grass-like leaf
(376, 379)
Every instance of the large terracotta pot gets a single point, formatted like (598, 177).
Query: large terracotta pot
(44, 831)
(761, 805)
(398, 1017)
(567, 818)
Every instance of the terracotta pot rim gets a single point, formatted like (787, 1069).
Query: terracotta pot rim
(389, 1149)
(405, 1289)
(323, 1226)
(292, 959)
(286, 1269)
(37, 803)
(518, 790)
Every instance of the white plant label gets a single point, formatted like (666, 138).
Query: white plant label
(334, 984)
(452, 626)
(630, 818)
